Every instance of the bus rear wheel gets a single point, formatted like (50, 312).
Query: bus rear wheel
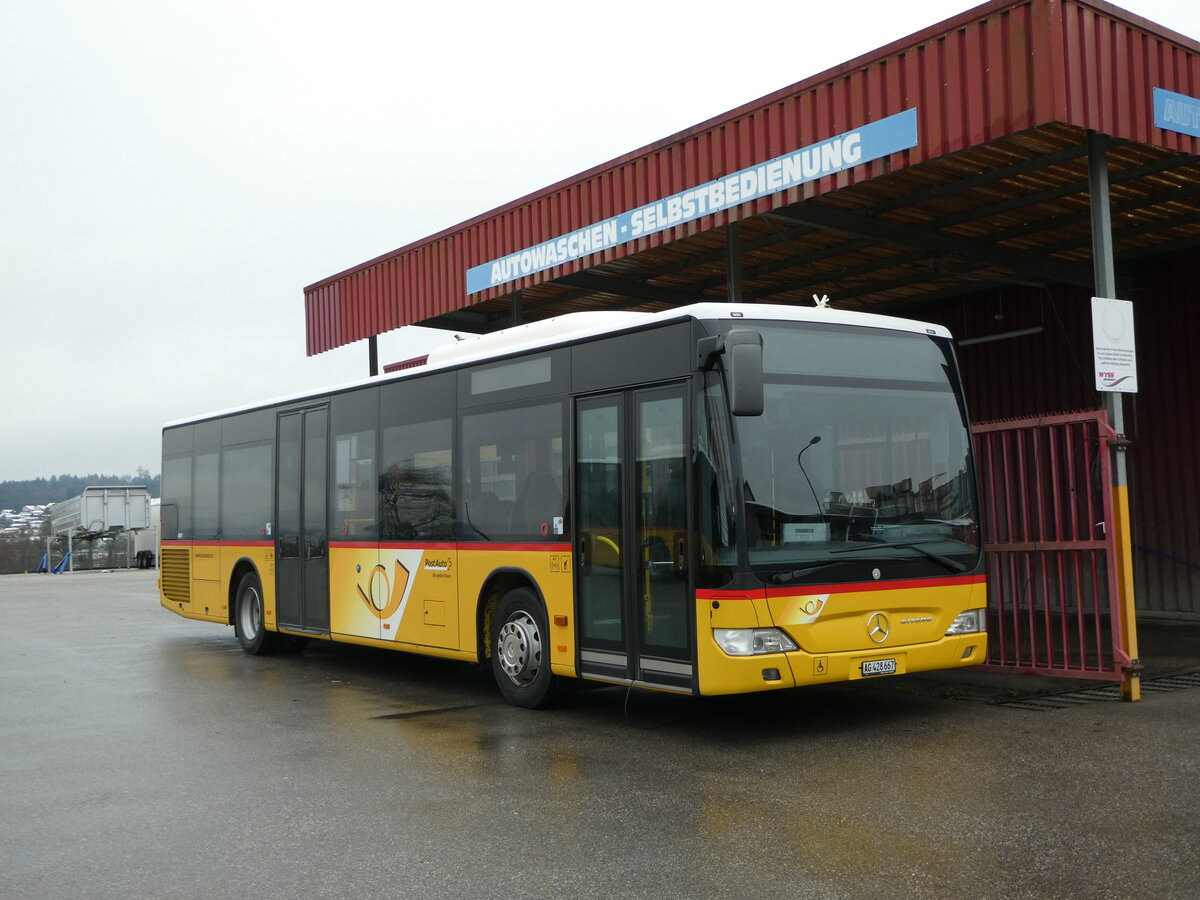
(520, 650)
(248, 618)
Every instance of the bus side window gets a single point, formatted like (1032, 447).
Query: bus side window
(355, 418)
(177, 494)
(205, 493)
(414, 483)
(513, 472)
(246, 490)
(415, 476)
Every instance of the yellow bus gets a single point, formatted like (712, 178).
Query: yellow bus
(712, 499)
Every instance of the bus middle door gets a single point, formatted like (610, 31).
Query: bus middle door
(302, 508)
(632, 582)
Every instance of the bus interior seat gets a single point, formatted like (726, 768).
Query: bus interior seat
(486, 513)
(538, 503)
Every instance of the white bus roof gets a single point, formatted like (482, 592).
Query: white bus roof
(579, 326)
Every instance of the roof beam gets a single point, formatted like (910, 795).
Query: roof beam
(1179, 246)
(882, 286)
(716, 256)
(459, 320)
(902, 307)
(646, 293)
(844, 282)
(1171, 195)
(684, 265)
(793, 262)
(1065, 190)
(1058, 157)
(1018, 261)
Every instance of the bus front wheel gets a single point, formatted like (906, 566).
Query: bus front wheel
(520, 650)
(248, 618)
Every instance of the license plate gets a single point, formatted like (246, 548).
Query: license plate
(878, 667)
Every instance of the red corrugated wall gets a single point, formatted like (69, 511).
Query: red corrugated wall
(998, 69)
(1163, 419)
(1050, 373)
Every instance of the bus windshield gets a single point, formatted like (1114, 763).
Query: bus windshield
(860, 459)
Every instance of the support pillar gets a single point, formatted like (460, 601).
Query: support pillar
(733, 263)
(1105, 277)
(373, 354)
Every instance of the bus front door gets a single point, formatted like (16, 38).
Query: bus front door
(302, 543)
(632, 580)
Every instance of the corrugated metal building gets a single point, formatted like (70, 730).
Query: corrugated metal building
(982, 221)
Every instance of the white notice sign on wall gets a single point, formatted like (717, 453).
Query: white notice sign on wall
(1114, 353)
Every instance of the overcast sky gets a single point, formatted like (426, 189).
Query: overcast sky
(172, 174)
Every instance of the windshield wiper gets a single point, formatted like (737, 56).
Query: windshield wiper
(792, 575)
(952, 564)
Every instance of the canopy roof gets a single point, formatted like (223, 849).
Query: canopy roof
(991, 189)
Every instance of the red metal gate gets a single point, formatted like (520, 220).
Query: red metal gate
(1051, 546)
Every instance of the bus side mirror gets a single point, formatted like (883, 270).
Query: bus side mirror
(742, 350)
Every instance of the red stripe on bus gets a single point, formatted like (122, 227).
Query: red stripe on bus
(412, 545)
(845, 588)
(915, 584)
(389, 545)
(472, 546)
(518, 548)
(219, 543)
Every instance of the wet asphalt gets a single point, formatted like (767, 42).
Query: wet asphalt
(145, 756)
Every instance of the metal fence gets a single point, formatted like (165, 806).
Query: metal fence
(1050, 543)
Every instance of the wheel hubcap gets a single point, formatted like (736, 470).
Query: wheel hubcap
(250, 611)
(519, 648)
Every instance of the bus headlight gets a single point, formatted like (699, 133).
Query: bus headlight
(968, 622)
(752, 641)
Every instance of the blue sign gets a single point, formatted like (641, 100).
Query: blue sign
(1177, 112)
(836, 154)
